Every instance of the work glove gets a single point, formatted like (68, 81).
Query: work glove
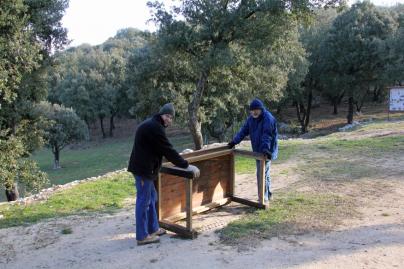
(194, 170)
(231, 145)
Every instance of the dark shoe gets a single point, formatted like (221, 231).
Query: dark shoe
(159, 232)
(150, 239)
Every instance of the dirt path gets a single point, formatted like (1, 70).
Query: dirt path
(373, 239)
(107, 241)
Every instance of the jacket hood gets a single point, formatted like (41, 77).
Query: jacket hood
(257, 104)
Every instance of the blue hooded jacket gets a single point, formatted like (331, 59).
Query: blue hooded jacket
(262, 131)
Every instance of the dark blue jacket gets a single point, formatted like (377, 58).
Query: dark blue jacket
(262, 131)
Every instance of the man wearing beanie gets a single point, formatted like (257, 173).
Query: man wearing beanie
(150, 145)
(261, 127)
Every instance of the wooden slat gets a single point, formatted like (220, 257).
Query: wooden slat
(176, 171)
(246, 153)
(248, 202)
(203, 151)
(201, 209)
(189, 204)
(178, 229)
(201, 157)
(232, 175)
(261, 182)
(209, 156)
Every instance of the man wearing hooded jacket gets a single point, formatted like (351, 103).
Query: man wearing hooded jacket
(261, 127)
(150, 145)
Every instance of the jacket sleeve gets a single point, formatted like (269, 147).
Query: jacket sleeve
(167, 150)
(268, 135)
(244, 131)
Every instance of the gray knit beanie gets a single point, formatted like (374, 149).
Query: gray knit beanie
(167, 109)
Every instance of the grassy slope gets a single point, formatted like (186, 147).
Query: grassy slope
(93, 160)
(103, 195)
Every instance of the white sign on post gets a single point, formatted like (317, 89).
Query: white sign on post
(396, 99)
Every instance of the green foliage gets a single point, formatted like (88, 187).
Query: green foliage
(14, 169)
(97, 196)
(91, 79)
(395, 68)
(65, 128)
(18, 54)
(357, 51)
(224, 53)
(30, 31)
(312, 37)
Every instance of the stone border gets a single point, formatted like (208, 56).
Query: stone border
(46, 193)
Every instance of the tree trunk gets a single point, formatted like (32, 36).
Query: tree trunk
(111, 126)
(102, 127)
(193, 109)
(308, 111)
(300, 111)
(350, 109)
(376, 94)
(335, 104)
(12, 193)
(56, 154)
(359, 104)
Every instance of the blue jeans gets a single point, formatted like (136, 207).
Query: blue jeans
(267, 179)
(145, 212)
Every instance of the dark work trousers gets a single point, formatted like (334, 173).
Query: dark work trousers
(145, 211)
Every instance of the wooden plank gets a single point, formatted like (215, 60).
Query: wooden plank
(188, 209)
(203, 151)
(176, 171)
(248, 202)
(200, 209)
(202, 157)
(199, 152)
(209, 156)
(246, 153)
(232, 178)
(178, 229)
(211, 186)
(261, 182)
(201, 193)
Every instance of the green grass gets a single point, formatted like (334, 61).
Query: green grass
(364, 145)
(92, 159)
(290, 213)
(103, 195)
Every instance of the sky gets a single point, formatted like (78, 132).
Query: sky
(94, 21)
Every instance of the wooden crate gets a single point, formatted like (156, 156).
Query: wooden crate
(181, 195)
